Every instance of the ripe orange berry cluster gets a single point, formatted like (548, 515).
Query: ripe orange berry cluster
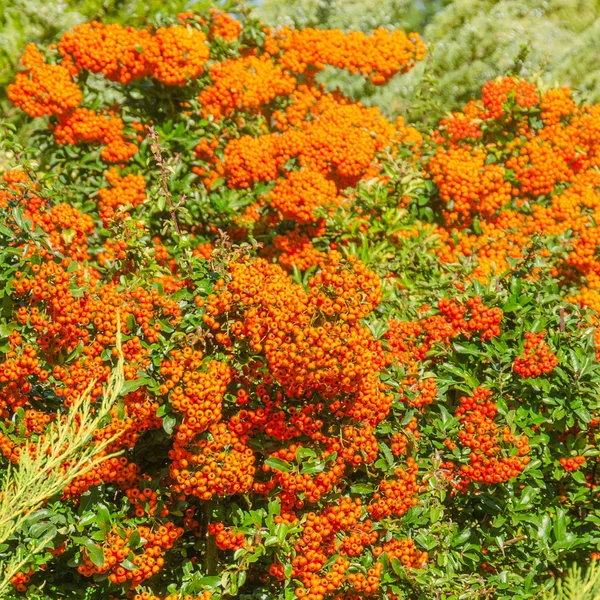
(302, 192)
(171, 54)
(245, 83)
(20, 580)
(399, 441)
(196, 393)
(467, 185)
(403, 550)
(320, 586)
(145, 501)
(410, 341)
(480, 433)
(86, 126)
(538, 359)
(539, 182)
(224, 26)
(317, 542)
(219, 463)
(420, 393)
(296, 484)
(396, 496)
(125, 192)
(340, 142)
(147, 563)
(380, 55)
(226, 538)
(43, 89)
(295, 249)
(354, 543)
(114, 470)
(495, 94)
(462, 125)
(66, 228)
(572, 463)
(406, 552)
(334, 355)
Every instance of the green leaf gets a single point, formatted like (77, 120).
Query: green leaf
(278, 465)
(560, 525)
(169, 422)
(127, 564)
(76, 353)
(134, 540)
(583, 414)
(135, 384)
(209, 581)
(362, 488)
(6, 231)
(461, 538)
(397, 567)
(389, 457)
(302, 452)
(47, 530)
(311, 468)
(525, 501)
(95, 553)
(103, 518)
(467, 349)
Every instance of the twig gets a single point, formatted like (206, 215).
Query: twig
(63, 453)
(157, 150)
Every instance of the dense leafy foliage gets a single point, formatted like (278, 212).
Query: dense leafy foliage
(471, 42)
(25, 21)
(361, 361)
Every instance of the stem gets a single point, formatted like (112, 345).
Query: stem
(210, 555)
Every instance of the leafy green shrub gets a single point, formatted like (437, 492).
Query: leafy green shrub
(359, 361)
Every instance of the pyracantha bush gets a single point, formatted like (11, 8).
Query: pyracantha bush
(361, 359)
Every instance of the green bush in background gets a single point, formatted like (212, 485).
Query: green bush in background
(471, 41)
(577, 585)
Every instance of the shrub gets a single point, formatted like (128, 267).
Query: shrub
(63, 453)
(360, 361)
(471, 41)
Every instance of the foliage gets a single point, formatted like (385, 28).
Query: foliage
(577, 585)
(43, 469)
(471, 41)
(360, 361)
(25, 21)
(351, 15)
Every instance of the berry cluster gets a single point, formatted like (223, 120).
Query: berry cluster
(116, 550)
(480, 434)
(537, 358)
(572, 463)
(122, 54)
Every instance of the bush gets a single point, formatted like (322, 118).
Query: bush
(578, 585)
(470, 42)
(360, 361)
(25, 21)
